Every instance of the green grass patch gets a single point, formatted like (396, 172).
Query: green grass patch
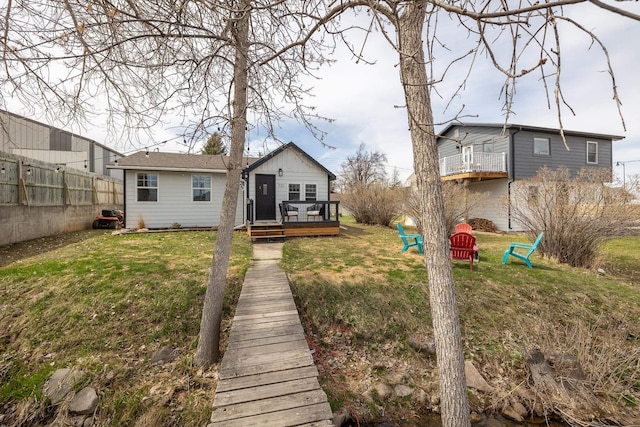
(104, 304)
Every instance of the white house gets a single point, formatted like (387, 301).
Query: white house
(163, 189)
(286, 175)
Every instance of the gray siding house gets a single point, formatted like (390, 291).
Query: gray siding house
(491, 158)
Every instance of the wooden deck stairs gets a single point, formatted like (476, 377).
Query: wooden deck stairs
(267, 374)
(266, 231)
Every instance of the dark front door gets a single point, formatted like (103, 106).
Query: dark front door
(265, 197)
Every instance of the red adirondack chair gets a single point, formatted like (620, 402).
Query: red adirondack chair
(463, 246)
(463, 227)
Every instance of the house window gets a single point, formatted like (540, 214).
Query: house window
(147, 187)
(592, 152)
(201, 188)
(310, 192)
(294, 191)
(541, 146)
(487, 147)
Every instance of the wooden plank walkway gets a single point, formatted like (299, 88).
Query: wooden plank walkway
(267, 376)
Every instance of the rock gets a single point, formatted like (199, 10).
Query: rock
(341, 416)
(568, 366)
(77, 421)
(400, 377)
(509, 412)
(520, 409)
(435, 400)
(60, 384)
(84, 402)
(542, 373)
(88, 422)
(368, 395)
(533, 401)
(422, 398)
(164, 355)
(110, 377)
(538, 409)
(474, 379)
(423, 345)
(477, 418)
(382, 390)
(402, 390)
(493, 422)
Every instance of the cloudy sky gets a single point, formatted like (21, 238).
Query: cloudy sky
(366, 99)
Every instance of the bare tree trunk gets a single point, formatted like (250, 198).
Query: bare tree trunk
(444, 308)
(208, 351)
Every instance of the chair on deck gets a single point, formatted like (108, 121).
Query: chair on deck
(463, 246)
(406, 239)
(288, 211)
(315, 212)
(463, 227)
(530, 248)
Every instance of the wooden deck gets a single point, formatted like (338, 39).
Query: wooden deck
(267, 375)
(273, 231)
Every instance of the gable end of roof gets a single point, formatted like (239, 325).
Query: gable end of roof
(282, 148)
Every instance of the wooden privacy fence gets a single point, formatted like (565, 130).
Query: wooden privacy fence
(26, 182)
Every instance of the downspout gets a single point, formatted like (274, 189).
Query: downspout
(124, 196)
(511, 172)
(327, 212)
(246, 214)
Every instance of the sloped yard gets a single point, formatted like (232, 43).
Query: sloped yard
(366, 304)
(107, 304)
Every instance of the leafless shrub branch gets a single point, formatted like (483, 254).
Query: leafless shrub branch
(578, 214)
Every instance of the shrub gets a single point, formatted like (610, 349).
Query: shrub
(578, 214)
(374, 204)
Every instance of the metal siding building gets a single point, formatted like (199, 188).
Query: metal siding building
(28, 138)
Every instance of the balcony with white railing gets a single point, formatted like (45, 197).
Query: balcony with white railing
(474, 166)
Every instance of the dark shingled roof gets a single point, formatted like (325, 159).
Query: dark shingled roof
(174, 161)
(532, 129)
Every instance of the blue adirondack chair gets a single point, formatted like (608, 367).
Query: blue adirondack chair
(410, 240)
(530, 248)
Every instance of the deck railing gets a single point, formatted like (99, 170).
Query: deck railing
(476, 162)
(310, 211)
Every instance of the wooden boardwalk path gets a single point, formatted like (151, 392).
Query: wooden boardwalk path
(267, 376)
